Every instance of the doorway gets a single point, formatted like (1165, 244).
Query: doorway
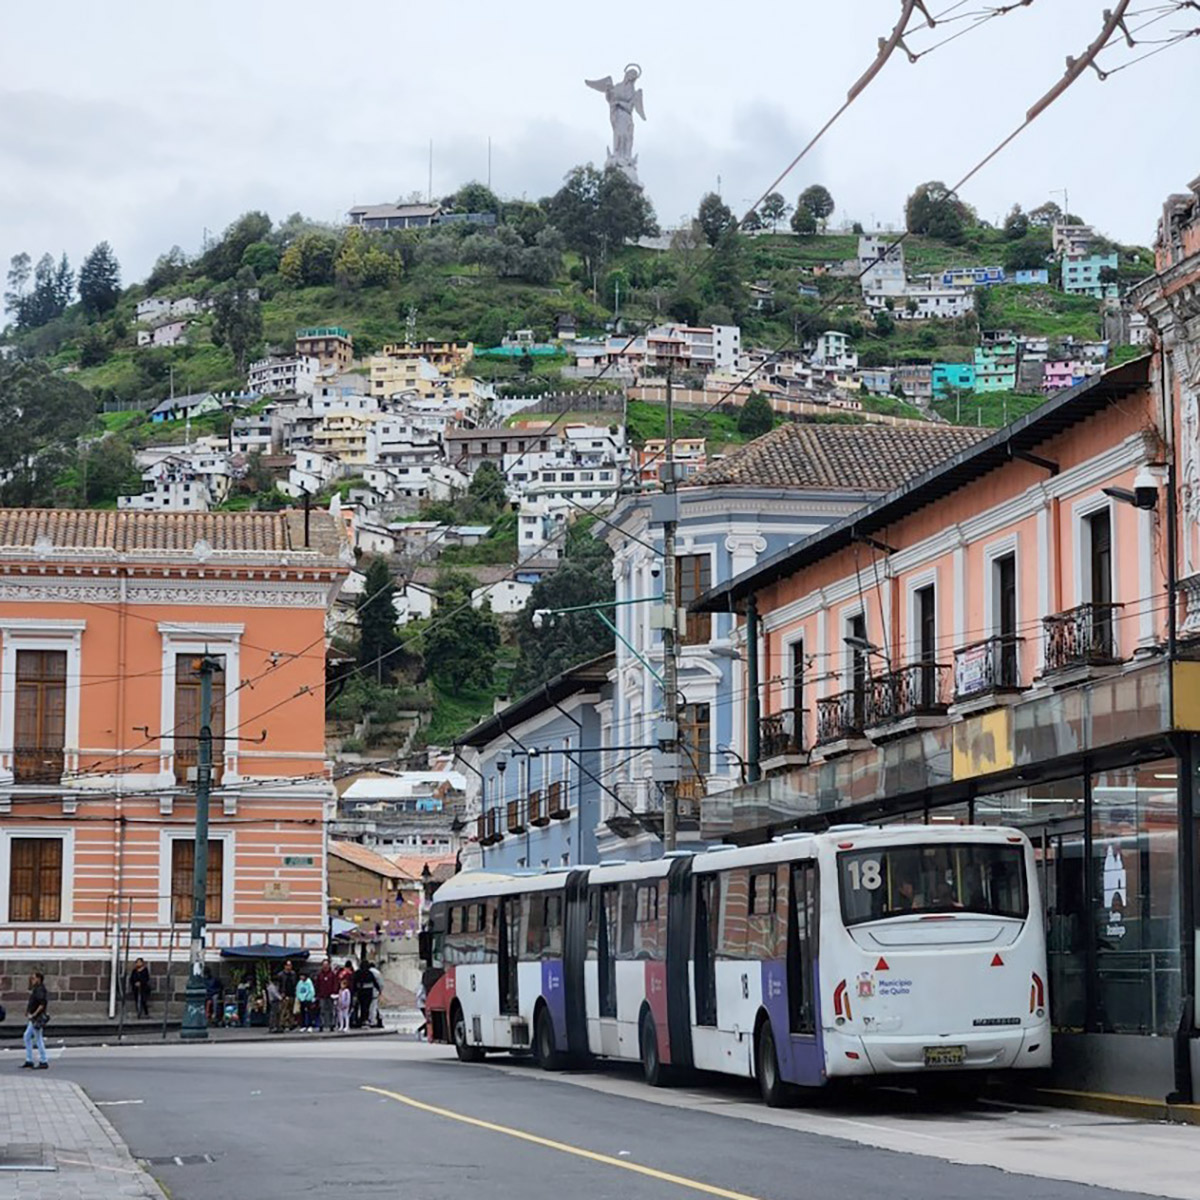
(1061, 854)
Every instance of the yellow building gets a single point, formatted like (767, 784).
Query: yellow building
(447, 357)
(345, 435)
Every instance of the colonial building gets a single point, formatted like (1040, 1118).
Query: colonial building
(104, 617)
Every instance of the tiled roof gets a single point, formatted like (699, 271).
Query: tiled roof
(858, 458)
(45, 530)
(441, 866)
(368, 860)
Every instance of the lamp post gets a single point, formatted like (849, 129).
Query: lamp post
(195, 1021)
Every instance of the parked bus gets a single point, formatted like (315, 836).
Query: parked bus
(915, 951)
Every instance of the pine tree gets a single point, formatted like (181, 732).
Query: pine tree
(376, 620)
(100, 281)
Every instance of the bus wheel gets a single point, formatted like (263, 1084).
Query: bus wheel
(653, 1071)
(543, 1043)
(775, 1092)
(465, 1051)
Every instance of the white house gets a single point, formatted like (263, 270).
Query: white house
(415, 603)
(313, 470)
(930, 303)
(294, 374)
(833, 350)
(256, 434)
(539, 523)
(881, 266)
(505, 598)
(173, 486)
(153, 308)
(168, 333)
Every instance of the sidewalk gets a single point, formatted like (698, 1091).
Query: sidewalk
(50, 1123)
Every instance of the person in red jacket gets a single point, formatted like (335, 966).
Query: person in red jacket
(328, 987)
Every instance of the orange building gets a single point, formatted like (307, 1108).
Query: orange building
(102, 617)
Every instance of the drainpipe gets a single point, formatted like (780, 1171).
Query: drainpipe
(753, 715)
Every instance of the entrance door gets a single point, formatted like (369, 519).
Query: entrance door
(704, 952)
(1062, 876)
(606, 950)
(509, 918)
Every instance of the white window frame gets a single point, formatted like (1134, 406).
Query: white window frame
(790, 642)
(223, 640)
(1082, 538)
(66, 908)
(848, 615)
(166, 839)
(992, 553)
(31, 633)
(912, 586)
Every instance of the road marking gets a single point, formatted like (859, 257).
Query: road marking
(116, 1103)
(564, 1148)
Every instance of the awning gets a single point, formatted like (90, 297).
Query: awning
(267, 950)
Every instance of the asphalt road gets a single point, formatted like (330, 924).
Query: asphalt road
(401, 1120)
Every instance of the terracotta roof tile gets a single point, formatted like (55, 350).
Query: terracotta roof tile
(367, 859)
(859, 458)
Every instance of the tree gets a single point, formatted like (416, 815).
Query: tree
(803, 222)
(933, 211)
(474, 197)
(715, 218)
(100, 281)
(885, 323)
(376, 613)
(169, 268)
(309, 260)
(53, 286)
(1028, 253)
(461, 645)
(598, 211)
(261, 257)
(757, 417)
(1016, 224)
(109, 470)
(93, 347)
(43, 414)
(818, 201)
(487, 490)
(774, 208)
(223, 260)
(20, 268)
(753, 222)
(237, 317)
(1046, 215)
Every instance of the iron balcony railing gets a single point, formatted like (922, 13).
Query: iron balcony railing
(37, 764)
(993, 665)
(516, 820)
(918, 689)
(841, 716)
(782, 733)
(558, 802)
(538, 814)
(1082, 637)
(689, 791)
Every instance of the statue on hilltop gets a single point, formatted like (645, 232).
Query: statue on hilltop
(624, 99)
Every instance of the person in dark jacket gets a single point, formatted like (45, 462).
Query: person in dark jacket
(286, 982)
(327, 990)
(364, 993)
(139, 985)
(37, 1013)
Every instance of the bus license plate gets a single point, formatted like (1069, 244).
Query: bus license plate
(945, 1056)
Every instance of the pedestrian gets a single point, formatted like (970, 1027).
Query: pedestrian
(286, 979)
(306, 998)
(343, 1006)
(376, 1021)
(327, 988)
(274, 1005)
(139, 985)
(214, 998)
(364, 991)
(37, 1013)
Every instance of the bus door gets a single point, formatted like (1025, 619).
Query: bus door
(1059, 851)
(704, 950)
(509, 930)
(806, 1064)
(606, 950)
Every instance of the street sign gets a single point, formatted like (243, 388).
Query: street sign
(297, 860)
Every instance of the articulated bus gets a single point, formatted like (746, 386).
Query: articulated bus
(914, 952)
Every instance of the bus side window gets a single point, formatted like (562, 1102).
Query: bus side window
(802, 948)
(646, 943)
(593, 921)
(552, 927)
(734, 909)
(535, 906)
(761, 926)
(628, 893)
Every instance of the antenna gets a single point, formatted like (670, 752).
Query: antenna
(489, 163)
(431, 170)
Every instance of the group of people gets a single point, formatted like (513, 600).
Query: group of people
(333, 1001)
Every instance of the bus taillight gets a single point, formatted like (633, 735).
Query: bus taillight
(841, 1003)
(1037, 996)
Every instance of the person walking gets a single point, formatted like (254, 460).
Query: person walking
(373, 1017)
(37, 1013)
(343, 1005)
(286, 981)
(306, 998)
(139, 985)
(364, 991)
(327, 988)
(274, 1007)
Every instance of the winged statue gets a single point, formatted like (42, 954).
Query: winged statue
(624, 99)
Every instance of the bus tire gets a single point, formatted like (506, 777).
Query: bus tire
(775, 1092)
(653, 1071)
(458, 1025)
(544, 1049)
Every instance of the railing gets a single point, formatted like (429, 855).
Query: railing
(993, 665)
(557, 802)
(515, 823)
(488, 828)
(37, 764)
(1082, 637)
(841, 716)
(689, 791)
(782, 733)
(918, 689)
(537, 809)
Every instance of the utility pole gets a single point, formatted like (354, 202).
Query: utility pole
(670, 633)
(195, 1022)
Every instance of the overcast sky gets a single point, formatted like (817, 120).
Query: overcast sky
(145, 123)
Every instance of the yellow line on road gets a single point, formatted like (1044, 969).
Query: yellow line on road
(665, 1176)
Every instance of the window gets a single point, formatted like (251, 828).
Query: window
(1004, 606)
(694, 734)
(183, 864)
(734, 892)
(856, 627)
(35, 879)
(762, 939)
(693, 577)
(40, 716)
(802, 948)
(186, 733)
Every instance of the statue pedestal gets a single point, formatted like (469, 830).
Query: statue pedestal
(627, 167)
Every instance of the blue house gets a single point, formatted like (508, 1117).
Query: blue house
(948, 378)
(536, 776)
(1029, 278)
(973, 277)
(759, 500)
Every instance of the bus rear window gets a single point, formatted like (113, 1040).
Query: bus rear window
(896, 881)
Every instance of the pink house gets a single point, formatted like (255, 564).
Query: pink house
(1013, 638)
(1061, 375)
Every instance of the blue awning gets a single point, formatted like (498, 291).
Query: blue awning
(266, 950)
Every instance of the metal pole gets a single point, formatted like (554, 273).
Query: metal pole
(670, 633)
(195, 1023)
(753, 745)
(166, 999)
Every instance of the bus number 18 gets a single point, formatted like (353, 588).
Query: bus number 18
(865, 874)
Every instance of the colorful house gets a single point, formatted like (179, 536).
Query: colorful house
(950, 378)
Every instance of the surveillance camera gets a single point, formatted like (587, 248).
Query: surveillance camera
(1145, 488)
(655, 570)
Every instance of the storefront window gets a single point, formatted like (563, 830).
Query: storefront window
(1037, 804)
(1135, 890)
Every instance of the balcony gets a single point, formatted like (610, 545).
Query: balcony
(37, 764)
(916, 690)
(842, 717)
(538, 810)
(988, 667)
(1082, 638)
(515, 822)
(781, 735)
(689, 791)
(557, 802)
(487, 828)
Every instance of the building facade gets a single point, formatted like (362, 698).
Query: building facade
(330, 345)
(104, 617)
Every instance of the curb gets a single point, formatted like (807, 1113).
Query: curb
(139, 1038)
(1137, 1108)
(152, 1190)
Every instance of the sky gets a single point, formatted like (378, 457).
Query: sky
(147, 124)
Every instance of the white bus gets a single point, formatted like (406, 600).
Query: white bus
(913, 951)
